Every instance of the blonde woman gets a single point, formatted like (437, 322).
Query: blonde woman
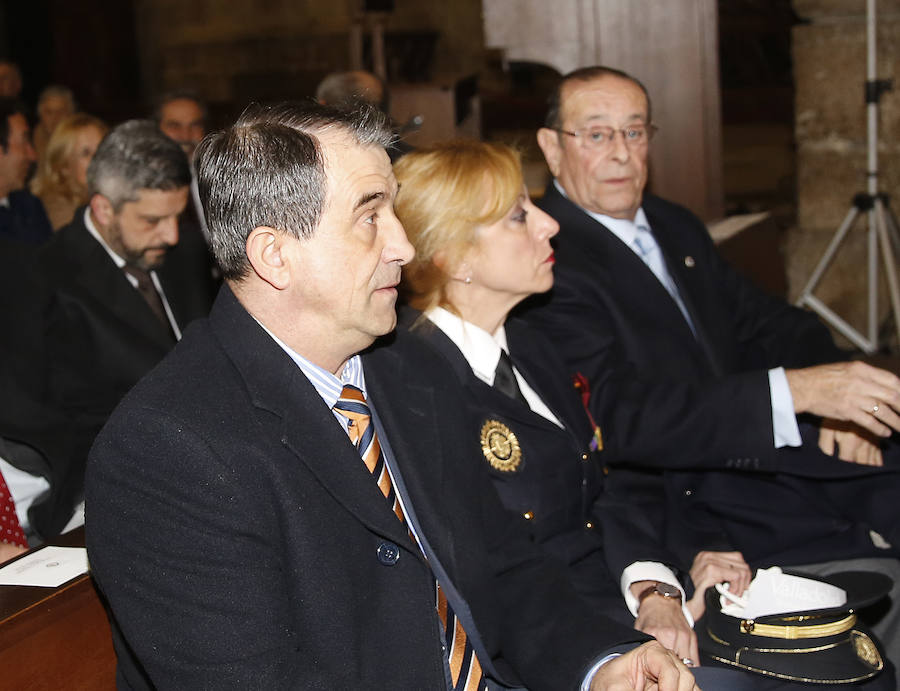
(61, 178)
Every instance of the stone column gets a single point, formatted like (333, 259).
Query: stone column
(829, 55)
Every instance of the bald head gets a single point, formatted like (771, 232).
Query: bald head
(358, 85)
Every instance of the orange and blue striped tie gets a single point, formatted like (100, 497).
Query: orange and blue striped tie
(465, 670)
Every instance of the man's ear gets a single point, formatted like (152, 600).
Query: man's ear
(102, 210)
(548, 140)
(267, 253)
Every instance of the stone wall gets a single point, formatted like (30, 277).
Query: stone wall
(231, 50)
(829, 54)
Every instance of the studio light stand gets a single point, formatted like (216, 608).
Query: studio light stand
(882, 225)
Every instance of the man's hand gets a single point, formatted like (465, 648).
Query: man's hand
(851, 443)
(710, 568)
(848, 391)
(663, 619)
(8, 551)
(649, 666)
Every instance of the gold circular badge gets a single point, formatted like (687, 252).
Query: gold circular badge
(500, 446)
(866, 650)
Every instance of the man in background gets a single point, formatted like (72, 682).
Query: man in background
(341, 88)
(181, 115)
(10, 80)
(22, 216)
(116, 300)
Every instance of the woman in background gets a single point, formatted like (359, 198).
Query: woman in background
(61, 178)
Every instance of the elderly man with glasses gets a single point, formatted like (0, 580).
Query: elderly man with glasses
(731, 415)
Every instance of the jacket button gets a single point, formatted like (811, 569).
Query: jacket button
(388, 553)
(589, 525)
(528, 515)
(688, 492)
(584, 457)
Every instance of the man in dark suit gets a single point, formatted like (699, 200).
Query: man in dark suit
(694, 369)
(22, 216)
(119, 286)
(271, 509)
(33, 435)
(181, 115)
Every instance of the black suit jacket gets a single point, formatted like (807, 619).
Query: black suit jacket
(670, 401)
(241, 542)
(102, 336)
(99, 336)
(33, 435)
(25, 220)
(665, 396)
(557, 491)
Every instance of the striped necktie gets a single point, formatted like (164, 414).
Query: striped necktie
(465, 670)
(10, 528)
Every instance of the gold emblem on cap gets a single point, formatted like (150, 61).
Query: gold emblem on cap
(500, 446)
(866, 650)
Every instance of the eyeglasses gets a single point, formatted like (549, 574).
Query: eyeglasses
(601, 138)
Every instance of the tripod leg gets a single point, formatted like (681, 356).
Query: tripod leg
(836, 240)
(891, 223)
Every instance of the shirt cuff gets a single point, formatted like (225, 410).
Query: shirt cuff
(784, 420)
(586, 684)
(650, 571)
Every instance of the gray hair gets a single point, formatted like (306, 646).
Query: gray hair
(136, 156)
(268, 170)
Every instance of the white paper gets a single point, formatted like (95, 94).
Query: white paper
(774, 592)
(48, 567)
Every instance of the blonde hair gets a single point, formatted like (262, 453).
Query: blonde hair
(52, 176)
(446, 192)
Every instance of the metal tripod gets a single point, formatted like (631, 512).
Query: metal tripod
(882, 224)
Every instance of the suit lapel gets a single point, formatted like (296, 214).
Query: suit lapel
(406, 406)
(482, 391)
(598, 251)
(555, 390)
(302, 420)
(678, 263)
(98, 275)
